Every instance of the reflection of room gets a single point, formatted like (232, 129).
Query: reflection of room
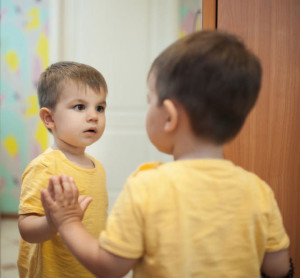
(121, 45)
(120, 38)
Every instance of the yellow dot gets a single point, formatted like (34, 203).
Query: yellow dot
(42, 135)
(34, 22)
(11, 145)
(43, 49)
(32, 109)
(12, 60)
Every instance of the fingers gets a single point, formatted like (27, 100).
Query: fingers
(84, 202)
(70, 190)
(54, 188)
(63, 190)
(57, 191)
(51, 187)
(46, 199)
(74, 190)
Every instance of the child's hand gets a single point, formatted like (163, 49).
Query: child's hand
(61, 201)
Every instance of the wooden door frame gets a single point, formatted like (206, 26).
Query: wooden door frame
(209, 14)
(285, 184)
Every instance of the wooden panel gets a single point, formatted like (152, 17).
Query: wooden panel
(269, 142)
(209, 14)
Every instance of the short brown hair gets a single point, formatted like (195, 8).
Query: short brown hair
(54, 77)
(214, 77)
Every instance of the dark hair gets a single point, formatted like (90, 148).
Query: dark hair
(53, 79)
(214, 77)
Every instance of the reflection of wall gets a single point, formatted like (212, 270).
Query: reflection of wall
(189, 16)
(24, 54)
(120, 39)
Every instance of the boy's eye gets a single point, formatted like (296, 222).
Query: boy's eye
(79, 107)
(100, 108)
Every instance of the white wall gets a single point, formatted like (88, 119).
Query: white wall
(120, 38)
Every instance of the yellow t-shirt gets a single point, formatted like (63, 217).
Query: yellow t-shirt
(195, 218)
(51, 258)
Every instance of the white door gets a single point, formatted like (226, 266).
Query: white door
(120, 38)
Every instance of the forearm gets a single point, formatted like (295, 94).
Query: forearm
(276, 264)
(66, 214)
(86, 249)
(35, 228)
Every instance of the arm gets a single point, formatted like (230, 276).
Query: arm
(35, 228)
(276, 264)
(87, 250)
(66, 214)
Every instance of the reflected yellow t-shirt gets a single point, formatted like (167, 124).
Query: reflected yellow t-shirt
(195, 218)
(52, 258)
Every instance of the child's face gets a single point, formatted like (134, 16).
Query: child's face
(155, 120)
(79, 116)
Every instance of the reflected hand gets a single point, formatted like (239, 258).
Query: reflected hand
(61, 201)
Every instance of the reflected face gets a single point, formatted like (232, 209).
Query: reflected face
(79, 115)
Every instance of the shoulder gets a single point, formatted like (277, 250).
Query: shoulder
(255, 187)
(149, 178)
(146, 171)
(41, 162)
(254, 179)
(147, 168)
(141, 187)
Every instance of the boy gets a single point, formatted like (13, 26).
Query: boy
(72, 98)
(199, 216)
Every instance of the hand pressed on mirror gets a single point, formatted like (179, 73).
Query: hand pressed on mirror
(61, 201)
(66, 209)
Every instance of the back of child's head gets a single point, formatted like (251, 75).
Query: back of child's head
(214, 77)
(55, 77)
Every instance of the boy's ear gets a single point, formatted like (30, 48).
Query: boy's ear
(172, 115)
(47, 118)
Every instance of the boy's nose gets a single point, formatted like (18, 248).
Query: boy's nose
(92, 115)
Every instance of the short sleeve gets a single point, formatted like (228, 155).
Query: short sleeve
(123, 235)
(277, 238)
(34, 179)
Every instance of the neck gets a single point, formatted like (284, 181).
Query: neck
(75, 154)
(68, 149)
(194, 148)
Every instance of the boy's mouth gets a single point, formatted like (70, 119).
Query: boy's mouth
(90, 131)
